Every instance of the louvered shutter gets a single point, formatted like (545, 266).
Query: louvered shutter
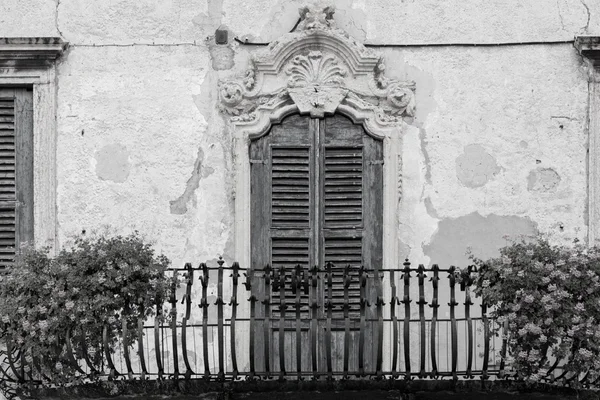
(282, 200)
(352, 209)
(317, 198)
(16, 171)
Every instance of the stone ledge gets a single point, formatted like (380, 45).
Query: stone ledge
(30, 52)
(589, 47)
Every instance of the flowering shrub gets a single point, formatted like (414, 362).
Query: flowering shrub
(549, 298)
(96, 283)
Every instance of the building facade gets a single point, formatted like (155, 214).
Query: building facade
(358, 132)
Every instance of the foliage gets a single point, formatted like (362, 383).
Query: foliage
(549, 299)
(104, 281)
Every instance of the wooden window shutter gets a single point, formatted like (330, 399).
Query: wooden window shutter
(282, 175)
(16, 171)
(316, 190)
(352, 208)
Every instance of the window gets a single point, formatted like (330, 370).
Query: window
(316, 197)
(16, 171)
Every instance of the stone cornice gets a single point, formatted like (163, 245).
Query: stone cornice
(589, 47)
(30, 52)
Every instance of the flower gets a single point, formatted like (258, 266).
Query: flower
(522, 354)
(69, 305)
(506, 260)
(529, 299)
(58, 366)
(5, 319)
(579, 307)
(485, 283)
(585, 353)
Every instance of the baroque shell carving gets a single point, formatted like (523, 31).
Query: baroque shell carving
(316, 69)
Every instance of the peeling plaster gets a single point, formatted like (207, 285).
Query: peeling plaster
(430, 209)
(222, 56)
(542, 180)
(484, 236)
(211, 20)
(179, 206)
(476, 167)
(112, 163)
(423, 138)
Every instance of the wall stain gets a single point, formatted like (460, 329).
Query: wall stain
(476, 167)
(483, 235)
(542, 180)
(179, 205)
(112, 163)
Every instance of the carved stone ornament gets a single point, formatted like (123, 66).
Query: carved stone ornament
(317, 70)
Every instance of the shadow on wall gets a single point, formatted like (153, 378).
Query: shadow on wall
(484, 235)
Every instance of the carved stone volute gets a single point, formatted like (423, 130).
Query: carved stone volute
(318, 69)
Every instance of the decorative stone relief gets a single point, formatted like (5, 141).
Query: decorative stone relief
(316, 70)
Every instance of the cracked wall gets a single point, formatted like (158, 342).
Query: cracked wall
(499, 138)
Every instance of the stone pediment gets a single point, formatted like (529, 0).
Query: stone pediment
(317, 70)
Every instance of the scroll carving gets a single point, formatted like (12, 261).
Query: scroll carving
(317, 69)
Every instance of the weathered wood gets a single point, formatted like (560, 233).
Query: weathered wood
(317, 198)
(24, 165)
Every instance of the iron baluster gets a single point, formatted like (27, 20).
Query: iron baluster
(314, 307)
(189, 275)
(267, 324)
(220, 319)
(393, 302)
(362, 279)
(173, 301)
(422, 303)
(204, 305)
(233, 303)
(379, 304)
(466, 286)
(406, 301)
(453, 326)
(434, 305)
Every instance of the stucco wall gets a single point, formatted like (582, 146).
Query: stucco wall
(498, 145)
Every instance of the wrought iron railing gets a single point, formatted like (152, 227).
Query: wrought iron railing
(231, 322)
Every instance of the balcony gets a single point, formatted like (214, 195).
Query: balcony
(327, 324)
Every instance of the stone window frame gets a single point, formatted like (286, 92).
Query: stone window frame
(589, 48)
(31, 62)
(316, 70)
